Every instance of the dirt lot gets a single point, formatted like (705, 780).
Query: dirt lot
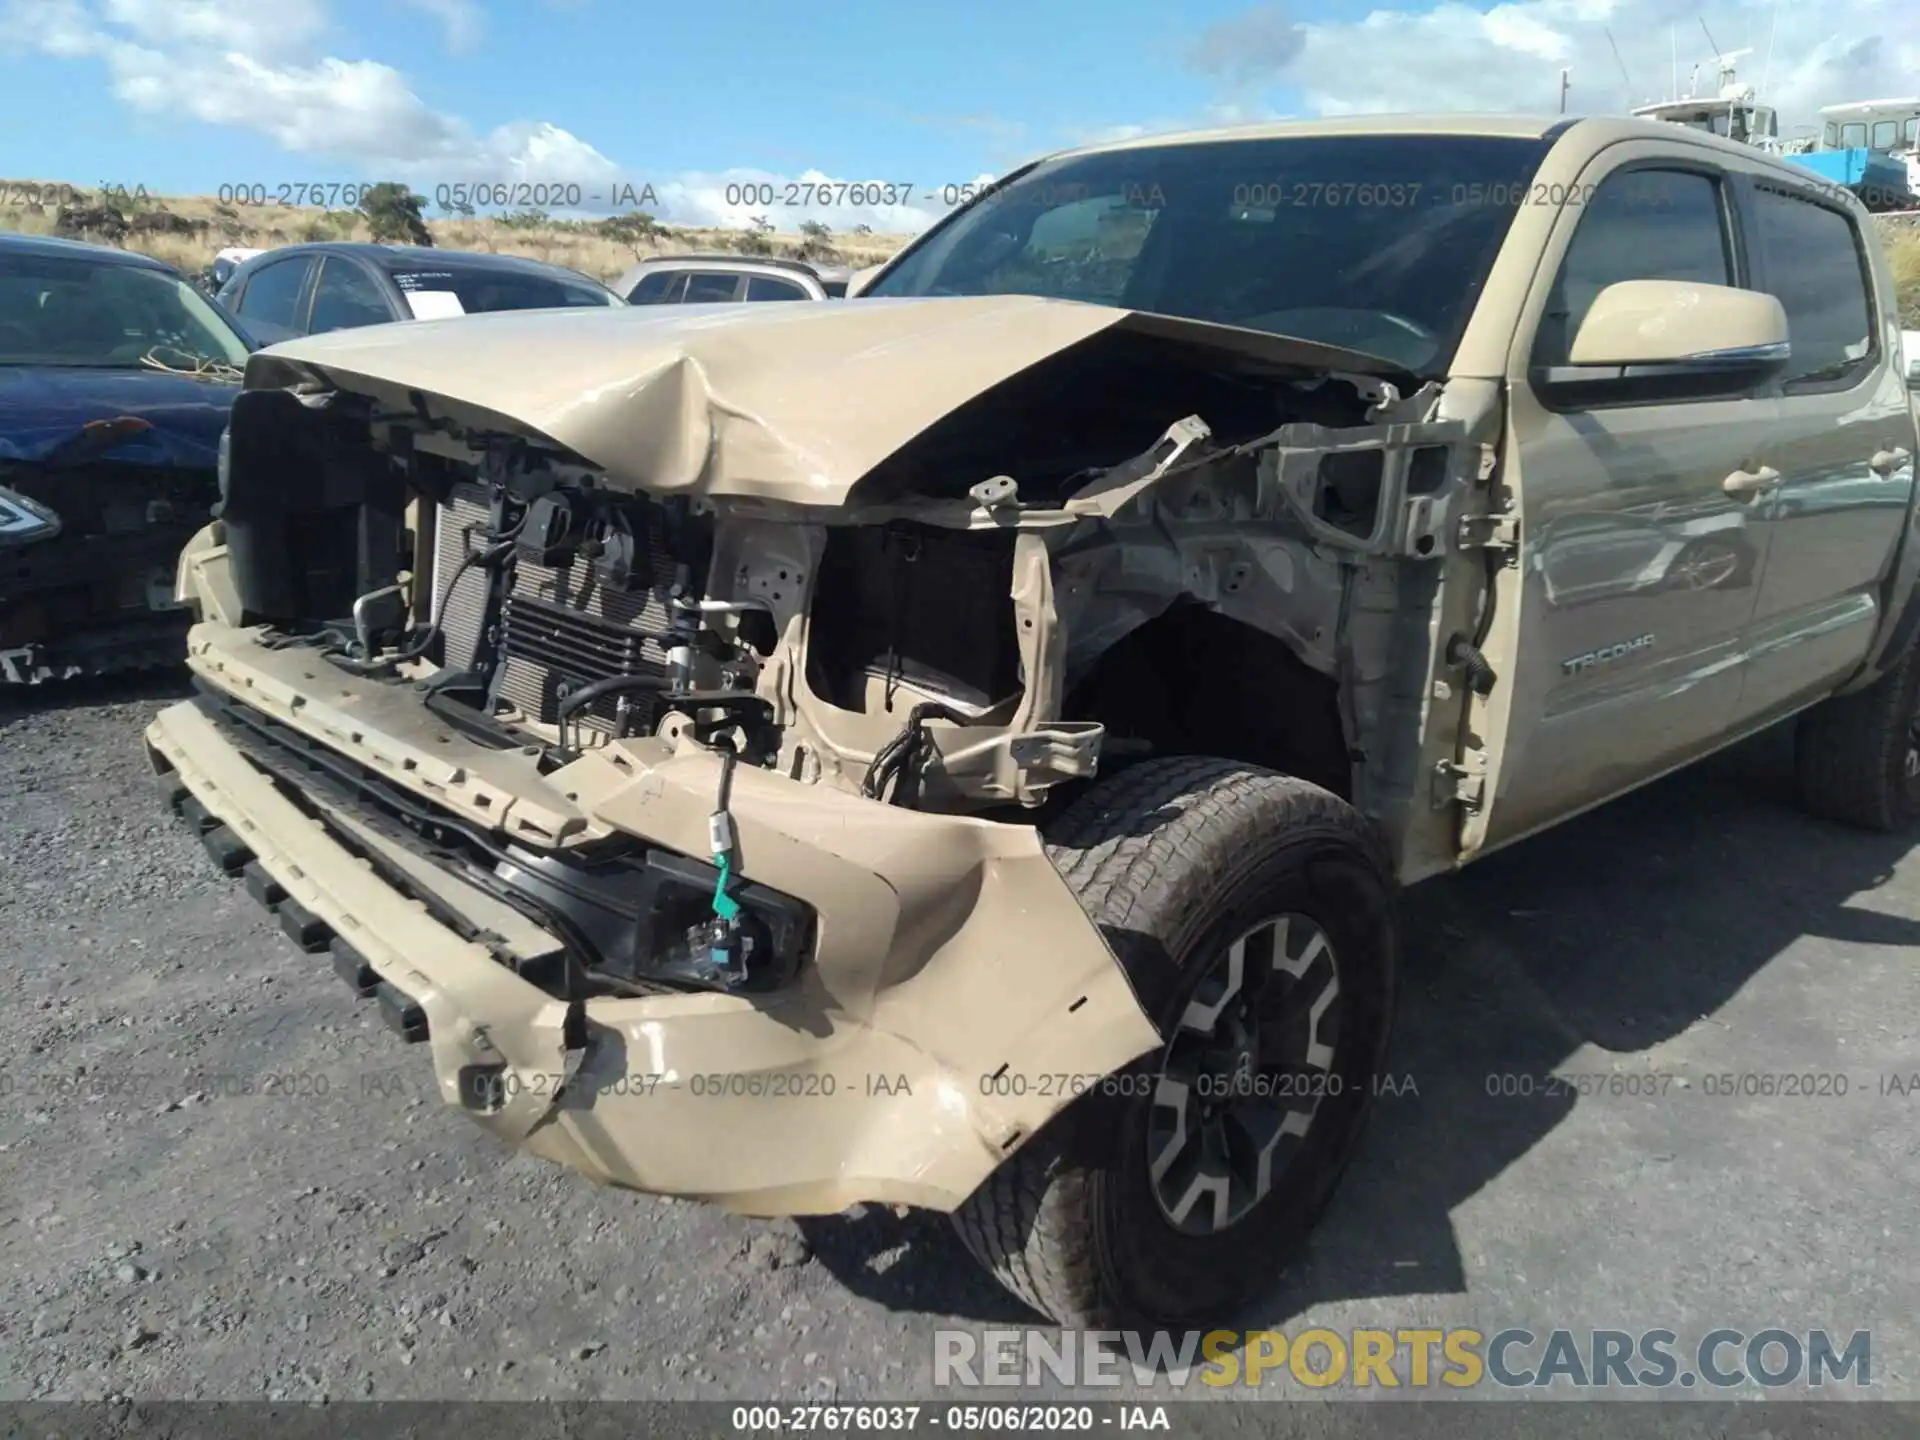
(336, 1233)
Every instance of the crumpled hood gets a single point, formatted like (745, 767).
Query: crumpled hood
(787, 402)
(44, 408)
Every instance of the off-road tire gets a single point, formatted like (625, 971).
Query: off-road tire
(1168, 857)
(1851, 753)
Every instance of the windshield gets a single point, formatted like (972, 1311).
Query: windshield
(432, 293)
(74, 311)
(1376, 243)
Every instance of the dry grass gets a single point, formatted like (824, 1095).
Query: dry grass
(216, 226)
(1903, 251)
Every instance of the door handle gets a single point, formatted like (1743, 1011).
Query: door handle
(1888, 461)
(1745, 484)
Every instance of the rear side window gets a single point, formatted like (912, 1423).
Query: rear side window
(346, 298)
(273, 291)
(710, 289)
(653, 289)
(480, 288)
(765, 287)
(1812, 261)
(1639, 225)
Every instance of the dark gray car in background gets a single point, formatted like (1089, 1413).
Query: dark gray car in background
(339, 285)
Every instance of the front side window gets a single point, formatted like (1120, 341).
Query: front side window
(1376, 243)
(59, 310)
(1639, 225)
(1814, 265)
(273, 291)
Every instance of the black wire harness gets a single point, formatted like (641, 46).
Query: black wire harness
(896, 768)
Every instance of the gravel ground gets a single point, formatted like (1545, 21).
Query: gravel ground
(163, 1237)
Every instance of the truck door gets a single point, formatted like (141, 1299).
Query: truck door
(1626, 617)
(1842, 447)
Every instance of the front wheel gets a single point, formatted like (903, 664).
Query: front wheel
(1253, 914)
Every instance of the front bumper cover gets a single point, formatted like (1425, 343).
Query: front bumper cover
(958, 996)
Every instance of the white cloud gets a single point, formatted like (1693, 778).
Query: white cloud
(462, 20)
(253, 27)
(221, 62)
(54, 27)
(1508, 57)
(242, 64)
(331, 109)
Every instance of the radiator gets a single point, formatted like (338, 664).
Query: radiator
(560, 630)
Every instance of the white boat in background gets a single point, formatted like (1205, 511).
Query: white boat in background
(1734, 110)
(1871, 147)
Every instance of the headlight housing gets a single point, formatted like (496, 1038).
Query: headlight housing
(24, 521)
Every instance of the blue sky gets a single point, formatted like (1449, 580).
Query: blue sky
(183, 96)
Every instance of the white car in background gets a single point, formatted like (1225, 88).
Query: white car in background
(727, 278)
(229, 260)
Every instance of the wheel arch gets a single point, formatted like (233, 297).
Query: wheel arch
(1192, 681)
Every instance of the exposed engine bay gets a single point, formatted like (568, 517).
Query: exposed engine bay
(953, 637)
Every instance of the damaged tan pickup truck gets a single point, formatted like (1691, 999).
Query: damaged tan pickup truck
(958, 747)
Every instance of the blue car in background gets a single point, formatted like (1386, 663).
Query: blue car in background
(116, 377)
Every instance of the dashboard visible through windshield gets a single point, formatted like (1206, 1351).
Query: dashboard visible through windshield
(69, 312)
(1374, 243)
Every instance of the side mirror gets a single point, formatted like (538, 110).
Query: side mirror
(1913, 372)
(860, 279)
(1656, 339)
